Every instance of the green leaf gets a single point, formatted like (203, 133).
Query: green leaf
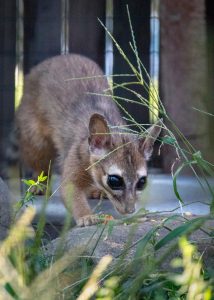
(184, 229)
(167, 220)
(197, 155)
(168, 140)
(41, 177)
(142, 244)
(174, 181)
(41, 187)
(10, 290)
(111, 225)
(203, 163)
(18, 205)
(175, 175)
(29, 182)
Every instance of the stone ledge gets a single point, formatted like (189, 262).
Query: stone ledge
(96, 241)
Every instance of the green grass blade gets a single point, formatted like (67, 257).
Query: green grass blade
(184, 229)
(175, 175)
(144, 241)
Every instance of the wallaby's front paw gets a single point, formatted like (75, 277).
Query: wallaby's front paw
(88, 220)
(93, 220)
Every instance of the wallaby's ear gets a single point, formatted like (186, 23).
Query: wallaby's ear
(99, 136)
(146, 145)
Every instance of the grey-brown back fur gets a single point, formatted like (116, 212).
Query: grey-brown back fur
(66, 115)
(58, 105)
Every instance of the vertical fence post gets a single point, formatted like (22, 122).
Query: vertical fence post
(154, 61)
(19, 77)
(64, 27)
(109, 54)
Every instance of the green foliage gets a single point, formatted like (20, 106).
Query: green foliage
(109, 289)
(26, 272)
(187, 155)
(191, 281)
(184, 229)
(34, 187)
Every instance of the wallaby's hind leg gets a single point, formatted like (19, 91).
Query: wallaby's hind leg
(36, 146)
(36, 157)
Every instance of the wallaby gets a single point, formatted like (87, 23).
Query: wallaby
(67, 113)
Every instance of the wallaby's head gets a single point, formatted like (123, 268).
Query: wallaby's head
(119, 162)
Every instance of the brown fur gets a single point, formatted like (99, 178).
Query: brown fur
(59, 118)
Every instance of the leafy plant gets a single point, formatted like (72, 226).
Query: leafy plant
(191, 281)
(33, 187)
(187, 155)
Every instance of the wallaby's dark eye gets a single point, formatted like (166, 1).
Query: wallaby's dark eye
(115, 182)
(141, 183)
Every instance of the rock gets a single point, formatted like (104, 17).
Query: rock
(5, 209)
(97, 241)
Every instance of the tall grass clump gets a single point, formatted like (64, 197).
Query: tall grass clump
(29, 271)
(187, 155)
